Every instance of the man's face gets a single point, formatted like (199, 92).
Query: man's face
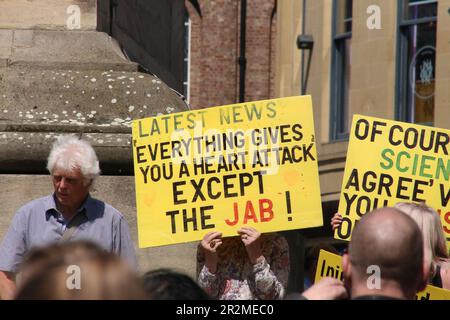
(70, 188)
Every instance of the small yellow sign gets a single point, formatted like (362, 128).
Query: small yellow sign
(330, 265)
(390, 162)
(433, 293)
(251, 164)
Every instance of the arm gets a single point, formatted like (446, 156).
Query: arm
(326, 289)
(207, 261)
(7, 285)
(12, 251)
(123, 245)
(270, 274)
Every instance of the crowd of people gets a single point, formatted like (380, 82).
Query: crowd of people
(69, 245)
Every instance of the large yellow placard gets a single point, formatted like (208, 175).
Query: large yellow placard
(390, 162)
(218, 169)
(330, 265)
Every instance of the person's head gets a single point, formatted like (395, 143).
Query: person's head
(430, 224)
(73, 166)
(385, 243)
(77, 270)
(165, 284)
(41, 258)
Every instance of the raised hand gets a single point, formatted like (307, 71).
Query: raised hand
(326, 289)
(336, 221)
(252, 241)
(211, 241)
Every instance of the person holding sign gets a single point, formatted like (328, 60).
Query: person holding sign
(435, 251)
(385, 258)
(70, 213)
(249, 266)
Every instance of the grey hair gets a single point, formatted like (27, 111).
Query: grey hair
(69, 153)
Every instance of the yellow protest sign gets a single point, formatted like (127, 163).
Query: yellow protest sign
(390, 162)
(221, 168)
(433, 293)
(330, 265)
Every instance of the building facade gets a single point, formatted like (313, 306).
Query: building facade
(381, 58)
(216, 57)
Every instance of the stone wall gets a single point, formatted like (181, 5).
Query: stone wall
(47, 14)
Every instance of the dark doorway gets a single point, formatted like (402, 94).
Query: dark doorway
(150, 32)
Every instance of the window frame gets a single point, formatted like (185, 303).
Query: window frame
(337, 86)
(401, 112)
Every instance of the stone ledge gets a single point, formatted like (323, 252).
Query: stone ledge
(5, 43)
(20, 127)
(27, 152)
(57, 82)
(75, 66)
(43, 48)
(92, 98)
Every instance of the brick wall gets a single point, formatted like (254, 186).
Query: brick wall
(258, 49)
(214, 78)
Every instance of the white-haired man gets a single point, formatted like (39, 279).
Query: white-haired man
(68, 214)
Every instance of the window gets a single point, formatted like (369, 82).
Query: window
(416, 61)
(341, 114)
(187, 57)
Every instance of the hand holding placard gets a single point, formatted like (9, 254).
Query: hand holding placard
(250, 165)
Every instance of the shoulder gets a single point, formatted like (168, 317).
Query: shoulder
(39, 204)
(42, 201)
(31, 213)
(109, 210)
(117, 218)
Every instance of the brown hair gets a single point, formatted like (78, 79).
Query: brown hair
(50, 273)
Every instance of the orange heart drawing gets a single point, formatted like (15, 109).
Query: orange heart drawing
(149, 198)
(291, 177)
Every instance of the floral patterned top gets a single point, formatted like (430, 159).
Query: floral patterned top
(237, 279)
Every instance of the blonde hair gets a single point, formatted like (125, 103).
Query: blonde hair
(429, 222)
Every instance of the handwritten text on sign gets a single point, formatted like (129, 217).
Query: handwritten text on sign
(390, 162)
(225, 167)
